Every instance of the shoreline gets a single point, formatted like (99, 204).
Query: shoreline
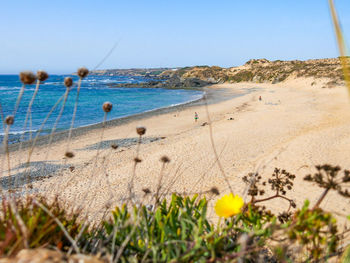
(213, 95)
(294, 127)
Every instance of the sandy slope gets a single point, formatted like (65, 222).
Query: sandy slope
(294, 127)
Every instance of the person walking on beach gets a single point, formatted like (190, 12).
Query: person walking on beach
(195, 116)
(260, 98)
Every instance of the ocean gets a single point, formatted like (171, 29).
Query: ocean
(95, 90)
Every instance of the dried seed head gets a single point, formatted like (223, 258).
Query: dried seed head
(146, 191)
(69, 154)
(137, 160)
(9, 120)
(42, 75)
(214, 190)
(107, 106)
(68, 82)
(293, 204)
(108, 205)
(83, 72)
(165, 159)
(114, 146)
(27, 77)
(141, 130)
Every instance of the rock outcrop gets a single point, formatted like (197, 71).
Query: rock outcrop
(254, 70)
(263, 70)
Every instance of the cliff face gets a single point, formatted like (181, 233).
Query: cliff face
(255, 70)
(263, 70)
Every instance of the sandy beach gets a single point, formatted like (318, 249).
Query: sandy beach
(295, 126)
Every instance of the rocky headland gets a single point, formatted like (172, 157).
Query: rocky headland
(255, 70)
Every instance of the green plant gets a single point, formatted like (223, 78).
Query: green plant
(25, 224)
(170, 231)
(346, 255)
(315, 229)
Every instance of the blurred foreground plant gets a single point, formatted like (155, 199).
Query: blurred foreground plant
(179, 230)
(25, 224)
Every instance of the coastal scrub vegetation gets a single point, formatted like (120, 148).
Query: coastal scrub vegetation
(178, 229)
(263, 70)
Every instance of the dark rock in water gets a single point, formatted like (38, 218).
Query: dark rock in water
(174, 82)
(194, 82)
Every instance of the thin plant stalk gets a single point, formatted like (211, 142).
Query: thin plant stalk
(28, 115)
(95, 162)
(4, 127)
(213, 146)
(127, 239)
(344, 60)
(56, 122)
(19, 98)
(58, 222)
(159, 184)
(31, 149)
(74, 114)
(7, 154)
(7, 130)
(53, 130)
(29, 112)
(136, 161)
(42, 126)
(2, 116)
(20, 222)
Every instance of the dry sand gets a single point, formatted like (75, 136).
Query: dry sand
(295, 127)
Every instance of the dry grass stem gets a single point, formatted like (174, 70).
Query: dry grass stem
(213, 145)
(341, 45)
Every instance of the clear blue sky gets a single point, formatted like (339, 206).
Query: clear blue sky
(61, 35)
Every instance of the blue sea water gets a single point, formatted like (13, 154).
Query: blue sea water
(94, 92)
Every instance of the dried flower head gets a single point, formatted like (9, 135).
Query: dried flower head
(284, 217)
(280, 180)
(137, 160)
(42, 75)
(146, 191)
(27, 77)
(69, 154)
(108, 205)
(140, 130)
(331, 177)
(68, 82)
(214, 190)
(82, 72)
(107, 106)
(114, 146)
(165, 159)
(9, 120)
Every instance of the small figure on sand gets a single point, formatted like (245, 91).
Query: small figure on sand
(195, 116)
(260, 98)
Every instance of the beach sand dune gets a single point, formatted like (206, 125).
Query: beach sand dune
(295, 126)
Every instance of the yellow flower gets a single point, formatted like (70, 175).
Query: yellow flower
(140, 243)
(178, 232)
(229, 205)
